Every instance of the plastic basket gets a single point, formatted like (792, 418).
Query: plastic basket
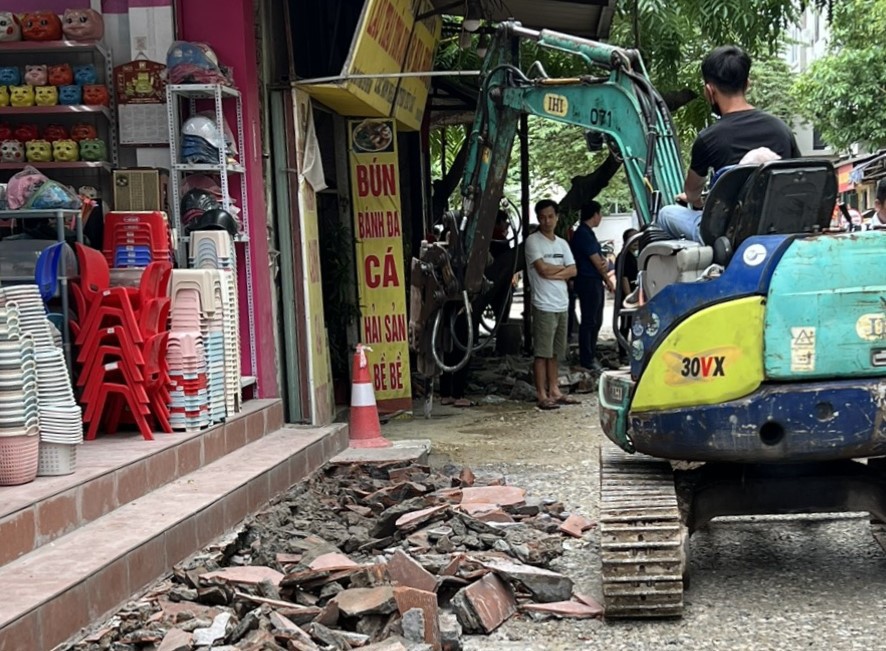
(19, 456)
(57, 459)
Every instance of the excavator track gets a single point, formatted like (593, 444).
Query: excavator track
(643, 542)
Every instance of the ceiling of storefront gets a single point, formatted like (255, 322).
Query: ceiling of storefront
(588, 18)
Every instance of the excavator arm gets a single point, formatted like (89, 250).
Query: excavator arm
(619, 102)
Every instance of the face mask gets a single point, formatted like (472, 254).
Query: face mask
(715, 108)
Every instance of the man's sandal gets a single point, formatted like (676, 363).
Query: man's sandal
(547, 405)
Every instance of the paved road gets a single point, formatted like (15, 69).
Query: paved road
(765, 583)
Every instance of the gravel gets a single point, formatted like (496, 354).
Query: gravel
(787, 582)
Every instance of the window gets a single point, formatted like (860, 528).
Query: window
(817, 142)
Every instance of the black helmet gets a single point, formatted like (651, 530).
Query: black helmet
(195, 202)
(216, 219)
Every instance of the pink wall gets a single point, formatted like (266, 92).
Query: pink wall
(228, 27)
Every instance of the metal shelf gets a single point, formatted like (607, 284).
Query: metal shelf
(45, 47)
(60, 165)
(206, 167)
(38, 214)
(240, 237)
(58, 109)
(202, 91)
(186, 96)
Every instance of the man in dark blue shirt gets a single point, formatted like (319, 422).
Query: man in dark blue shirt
(592, 274)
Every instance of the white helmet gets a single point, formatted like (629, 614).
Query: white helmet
(201, 126)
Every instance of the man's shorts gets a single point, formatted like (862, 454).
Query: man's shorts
(549, 333)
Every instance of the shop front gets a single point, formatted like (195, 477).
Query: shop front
(137, 243)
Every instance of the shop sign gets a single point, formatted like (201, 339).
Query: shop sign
(375, 195)
(388, 41)
(844, 182)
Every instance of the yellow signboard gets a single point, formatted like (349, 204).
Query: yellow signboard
(375, 194)
(388, 41)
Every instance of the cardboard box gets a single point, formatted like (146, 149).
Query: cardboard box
(140, 189)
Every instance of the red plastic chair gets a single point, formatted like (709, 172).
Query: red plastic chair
(111, 399)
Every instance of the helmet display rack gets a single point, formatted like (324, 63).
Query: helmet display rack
(182, 99)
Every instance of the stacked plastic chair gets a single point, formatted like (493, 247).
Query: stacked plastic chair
(135, 239)
(215, 250)
(121, 336)
(19, 416)
(189, 369)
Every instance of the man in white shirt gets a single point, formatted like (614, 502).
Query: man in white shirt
(550, 264)
(878, 219)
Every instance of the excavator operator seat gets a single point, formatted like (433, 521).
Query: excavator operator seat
(785, 197)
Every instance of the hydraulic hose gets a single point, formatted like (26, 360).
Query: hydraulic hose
(470, 347)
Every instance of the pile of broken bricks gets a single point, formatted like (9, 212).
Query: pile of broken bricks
(382, 558)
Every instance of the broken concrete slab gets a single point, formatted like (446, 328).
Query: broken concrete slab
(570, 609)
(413, 624)
(356, 602)
(413, 451)
(575, 525)
(546, 586)
(244, 575)
(404, 570)
(221, 626)
(484, 605)
(498, 495)
(450, 631)
(409, 599)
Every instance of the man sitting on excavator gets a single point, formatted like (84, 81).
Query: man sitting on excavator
(740, 129)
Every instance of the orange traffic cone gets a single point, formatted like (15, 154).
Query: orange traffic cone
(365, 430)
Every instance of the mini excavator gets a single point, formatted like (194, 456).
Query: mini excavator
(757, 375)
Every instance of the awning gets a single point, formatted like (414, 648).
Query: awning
(846, 176)
(870, 170)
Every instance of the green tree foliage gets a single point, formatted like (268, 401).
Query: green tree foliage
(672, 36)
(843, 93)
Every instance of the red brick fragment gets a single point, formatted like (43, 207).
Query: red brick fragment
(586, 600)
(366, 601)
(405, 571)
(484, 605)
(408, 598)
(573, 609)
(575, 525)
(333, 562)
(498, 495)
(176, 640)
(466, 477)
(416, 518)
(245, 575)
(289, 559)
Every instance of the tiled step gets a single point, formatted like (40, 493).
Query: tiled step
(115, 470)
(55, 590)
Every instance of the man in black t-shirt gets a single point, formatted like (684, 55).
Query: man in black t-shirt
(740, 129)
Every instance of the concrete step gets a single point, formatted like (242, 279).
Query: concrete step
(115, 470)
(57, 589)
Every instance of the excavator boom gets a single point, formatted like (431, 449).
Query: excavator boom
(615, 99)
